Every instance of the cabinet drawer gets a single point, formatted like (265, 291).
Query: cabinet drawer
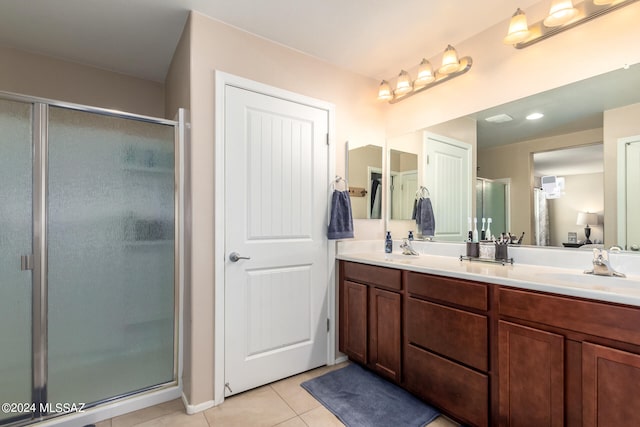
(372, 275)
(454, 291)
(594, 318)
(459, 391)
(453, 333)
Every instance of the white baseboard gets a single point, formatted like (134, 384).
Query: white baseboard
(194, 409)
(340, 359)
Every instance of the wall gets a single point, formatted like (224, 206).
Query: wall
(515, 161)
(583, 193)
(217, 46)
(45, 77)
(618, 123)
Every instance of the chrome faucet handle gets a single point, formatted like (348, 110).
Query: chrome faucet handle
(406, 247)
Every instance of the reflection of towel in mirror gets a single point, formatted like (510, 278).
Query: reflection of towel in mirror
(423, 214)
(341, 222)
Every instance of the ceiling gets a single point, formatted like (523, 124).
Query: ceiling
(569, 161)
(373, 38)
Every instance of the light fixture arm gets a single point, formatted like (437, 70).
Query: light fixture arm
(465, 65)
(586, 9)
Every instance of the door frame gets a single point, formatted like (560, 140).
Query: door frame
(222, 80)
(621, 161)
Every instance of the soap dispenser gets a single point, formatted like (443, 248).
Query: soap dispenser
(388, 243)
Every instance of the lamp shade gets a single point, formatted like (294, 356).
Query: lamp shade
(586, 218)
(403, 85)
(384, 91)
(450, 62)
(518, 28)
(425, 73)
(561, 12)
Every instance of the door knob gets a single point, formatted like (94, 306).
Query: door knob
(235, 257)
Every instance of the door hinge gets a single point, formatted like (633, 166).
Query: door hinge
(26, 262)
(327, 139)
(328, 325)
(427, 159)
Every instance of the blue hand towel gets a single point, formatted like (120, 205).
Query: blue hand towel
(341, 222)
(423, 214)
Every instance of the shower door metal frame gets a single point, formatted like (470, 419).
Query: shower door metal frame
(39, 354)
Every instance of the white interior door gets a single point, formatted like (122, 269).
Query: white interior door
(276, 193)
(447, 177)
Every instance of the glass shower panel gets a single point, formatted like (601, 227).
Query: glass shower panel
(110, 256)
(15, 240)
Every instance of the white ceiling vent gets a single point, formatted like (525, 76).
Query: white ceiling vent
(500, 118)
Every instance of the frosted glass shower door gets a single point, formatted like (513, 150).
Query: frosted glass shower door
(110, 234)
(15, 240)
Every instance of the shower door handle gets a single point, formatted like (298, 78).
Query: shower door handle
(26, 262)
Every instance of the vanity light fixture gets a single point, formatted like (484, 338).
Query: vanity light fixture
(563, 14)
(426, 77)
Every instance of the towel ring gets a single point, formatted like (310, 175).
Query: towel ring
(422, 193)
(338, 179)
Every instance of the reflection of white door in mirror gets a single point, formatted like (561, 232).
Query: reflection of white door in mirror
(403, 183)
(628, 194)
(448, 179)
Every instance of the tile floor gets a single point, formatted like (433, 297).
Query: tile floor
(283, 404)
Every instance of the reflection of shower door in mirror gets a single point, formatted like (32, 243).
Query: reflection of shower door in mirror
(87, 280)
(492, 201)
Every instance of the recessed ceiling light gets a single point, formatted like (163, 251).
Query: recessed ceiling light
(535, 116)
(500, 118)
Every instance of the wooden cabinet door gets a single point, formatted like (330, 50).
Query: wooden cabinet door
(353, 320)
(610, 380)
(531, 372)
(385, 333)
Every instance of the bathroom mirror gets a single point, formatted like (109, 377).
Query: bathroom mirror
(364, 171)
(598, 110)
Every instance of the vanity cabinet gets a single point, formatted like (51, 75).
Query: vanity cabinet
(446, 357)
(370, 317)
(567, 361)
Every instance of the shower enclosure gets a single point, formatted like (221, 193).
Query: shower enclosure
(89, 203)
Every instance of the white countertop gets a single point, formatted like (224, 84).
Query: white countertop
(566, 281)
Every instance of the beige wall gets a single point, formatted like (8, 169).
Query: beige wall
(618, 123)
(515, 161)
(45, 77)
(217, 46)
(583, 193)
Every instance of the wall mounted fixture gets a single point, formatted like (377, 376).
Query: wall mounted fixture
(563, 15)
(426, 77)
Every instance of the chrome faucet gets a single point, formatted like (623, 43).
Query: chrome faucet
(406, 248)
(601, 266)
